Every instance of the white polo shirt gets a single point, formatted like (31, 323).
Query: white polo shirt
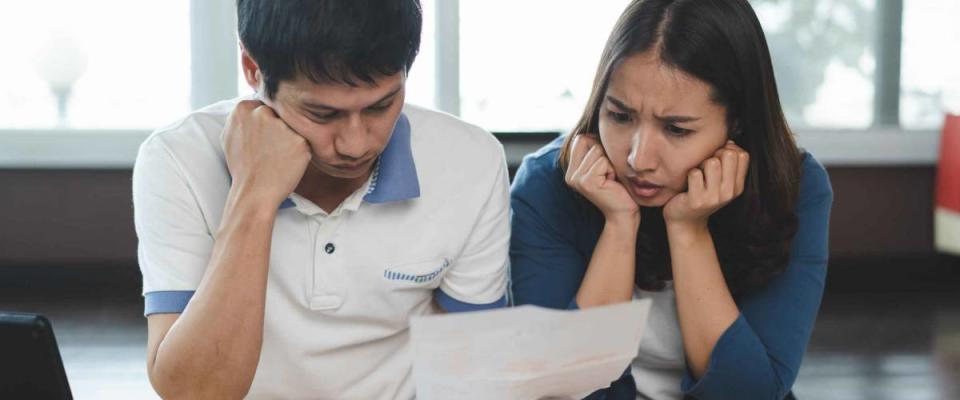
(431, 222)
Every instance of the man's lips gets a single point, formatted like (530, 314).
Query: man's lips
(352, 166)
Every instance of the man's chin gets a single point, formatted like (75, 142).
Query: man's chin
(344, 173)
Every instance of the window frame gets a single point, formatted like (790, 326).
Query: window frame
(214, 75)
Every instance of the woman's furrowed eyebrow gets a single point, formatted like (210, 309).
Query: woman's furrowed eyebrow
(671, 119)
(620, 104)
(674, 119)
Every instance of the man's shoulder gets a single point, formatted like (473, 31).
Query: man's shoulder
(444, 131)
(190, 144)
(200, 128)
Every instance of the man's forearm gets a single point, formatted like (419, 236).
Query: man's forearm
(213, 348)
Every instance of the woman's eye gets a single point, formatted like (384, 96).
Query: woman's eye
(676, 130)
(618, 117)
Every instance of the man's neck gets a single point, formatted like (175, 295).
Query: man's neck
(326, 191)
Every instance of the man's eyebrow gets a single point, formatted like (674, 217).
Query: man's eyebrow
(323, 107)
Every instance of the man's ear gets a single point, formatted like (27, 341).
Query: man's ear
(251, 71)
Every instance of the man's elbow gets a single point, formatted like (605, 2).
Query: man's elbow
(175, 386)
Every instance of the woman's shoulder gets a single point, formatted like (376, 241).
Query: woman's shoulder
(539, 188)
(815, 185)
(540, 171)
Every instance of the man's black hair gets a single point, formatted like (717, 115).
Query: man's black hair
(338, 41)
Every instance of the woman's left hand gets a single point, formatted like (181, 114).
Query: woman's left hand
(713, 185)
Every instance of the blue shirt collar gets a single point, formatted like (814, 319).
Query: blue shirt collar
(395, 174)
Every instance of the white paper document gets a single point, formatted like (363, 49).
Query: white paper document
(524, 352)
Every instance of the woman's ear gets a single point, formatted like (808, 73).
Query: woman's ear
(734, 132)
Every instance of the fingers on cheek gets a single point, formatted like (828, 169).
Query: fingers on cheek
(694, 184)
(705, 165)
(743, 167)
(707, 181)
(695, 189)
(730, 167)
(713, 168)
(730, 157)
(588, 177)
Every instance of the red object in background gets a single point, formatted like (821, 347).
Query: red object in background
(947, 212)
(948, 172)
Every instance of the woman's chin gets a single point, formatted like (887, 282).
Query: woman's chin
(659, 200)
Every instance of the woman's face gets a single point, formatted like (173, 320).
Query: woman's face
(656, 124)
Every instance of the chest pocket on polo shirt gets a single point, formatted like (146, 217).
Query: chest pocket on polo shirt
(417, 275)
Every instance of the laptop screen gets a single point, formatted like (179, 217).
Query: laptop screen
(31, 367)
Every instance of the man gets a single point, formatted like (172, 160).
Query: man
(285, 241)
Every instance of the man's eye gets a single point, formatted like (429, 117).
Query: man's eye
(324, 117)
(378, 108)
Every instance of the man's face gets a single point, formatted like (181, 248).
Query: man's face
(347, 126)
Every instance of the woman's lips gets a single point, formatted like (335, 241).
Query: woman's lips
(645, 189)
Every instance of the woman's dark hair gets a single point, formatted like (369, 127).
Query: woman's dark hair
(721, 43)
(339, 41)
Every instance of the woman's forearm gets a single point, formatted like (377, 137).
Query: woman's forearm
(610, 275)
(705, 306)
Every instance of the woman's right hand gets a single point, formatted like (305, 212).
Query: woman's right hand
(590, 173)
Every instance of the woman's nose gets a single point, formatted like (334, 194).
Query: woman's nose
(643, 151)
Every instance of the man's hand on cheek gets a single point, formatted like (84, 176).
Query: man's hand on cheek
(266, 158)
(711, 186)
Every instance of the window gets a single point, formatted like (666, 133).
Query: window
(838, 63)
(930, 77)
(874, 68)
(823, 60)
(529, 65)
(115, 64)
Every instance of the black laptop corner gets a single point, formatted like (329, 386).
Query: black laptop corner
(30, 363)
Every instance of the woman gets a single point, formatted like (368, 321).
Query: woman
(682, 183)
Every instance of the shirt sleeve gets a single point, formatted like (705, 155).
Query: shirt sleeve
(174, 243)
(546, 265)
(759, 355)
(477, 279)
